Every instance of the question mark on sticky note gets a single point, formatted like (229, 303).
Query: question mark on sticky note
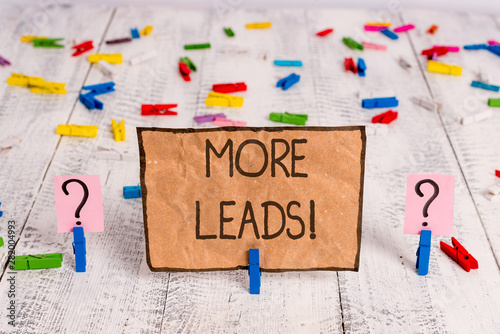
(84, 199)
(425, 210)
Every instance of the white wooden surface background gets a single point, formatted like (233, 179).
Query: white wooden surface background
(119, 294)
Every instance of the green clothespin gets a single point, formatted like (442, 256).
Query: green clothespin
(229, 32)
(1, 242)
(494, 102)
(196, 46)
(47, 43)
(352, 43)
(41, 261)
(188, 63)
(297, 119)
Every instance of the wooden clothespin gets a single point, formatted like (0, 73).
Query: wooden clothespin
(424, 252)
(254, 271)
(79, 248)
(158, 110)
(460, 255)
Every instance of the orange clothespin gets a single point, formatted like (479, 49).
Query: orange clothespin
(460, 255)
(432, 29)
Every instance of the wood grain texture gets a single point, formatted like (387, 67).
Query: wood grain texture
(118, 293)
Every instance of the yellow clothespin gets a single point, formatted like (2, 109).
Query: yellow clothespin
(29, 39)
(115, 58)
(21, 80)
(77, 130)
(49, 88)
(388, 24)
(118, 129)
(437, 67)
(147, 30)
(223, 100)
(260, 25)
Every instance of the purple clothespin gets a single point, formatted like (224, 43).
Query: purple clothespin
(4, 62)
(208, 118)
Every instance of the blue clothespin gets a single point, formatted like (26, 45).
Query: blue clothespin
(361, 67)
(424, 252)
(475, 47)
(288, 82)
(1, 212)
(132, 192)
(494, 49)
(483, 85)
(135, 33)
(296, 63)
(79, 249)
(382, 102)
(89, 99)
(389, 34)
(254, 271)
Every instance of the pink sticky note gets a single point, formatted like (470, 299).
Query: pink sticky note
(439, 209)
(71, 207)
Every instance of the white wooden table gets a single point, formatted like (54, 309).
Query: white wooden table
(119, 294)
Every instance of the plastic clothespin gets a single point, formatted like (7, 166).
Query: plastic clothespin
(374, 46)
(208, 118)
(437, 67)
(380, 102)
(439, 50)
(47, 43)
(229, 32)
(404, 28)
(135, 33)
(497, 174)
(325, 32)
(386, 24)
(350, 66)
(229, 87)
(459, 254)
(389, 34)
(386, 117)
(115, 58)
(295, 63)
(227, 122)
(479, 84)
(494, 102)
(188, 63)
(29, 39)
(89, 100)
(477, 117)
(4, 62)
(288, 81)
(39, 261)
(426, 103)
(424, 252)
(254, 271)
(184, 71)
(223, 100)
(158, 110)
(79, 249)
(260, 25)
(82, 48)
(147, 30)
(476, 47)
(99, 89)
(118, 130)
(119, 40)
(449, 48)
(46, 87)
(352, 43)
(197, 46)
(361, 67)
(297, 119)
(132, 192)
(432, 29)
(1, 239)
(77, 130)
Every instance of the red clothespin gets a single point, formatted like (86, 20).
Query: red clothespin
(460, 255)
(81, 48)
(184, 70)
(441, 50)
(324, 32)
(497, 173)
(158, 110)
(349, 65)
(229, 87)
(386, 117)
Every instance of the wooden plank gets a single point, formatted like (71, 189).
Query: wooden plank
(476, 145)
(387, 295)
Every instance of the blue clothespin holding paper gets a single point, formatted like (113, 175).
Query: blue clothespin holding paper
(288, 82)
(424, 252)
(79, 249)
(254, 271)
(89, 99)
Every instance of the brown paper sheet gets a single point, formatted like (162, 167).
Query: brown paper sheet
(181, 202)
